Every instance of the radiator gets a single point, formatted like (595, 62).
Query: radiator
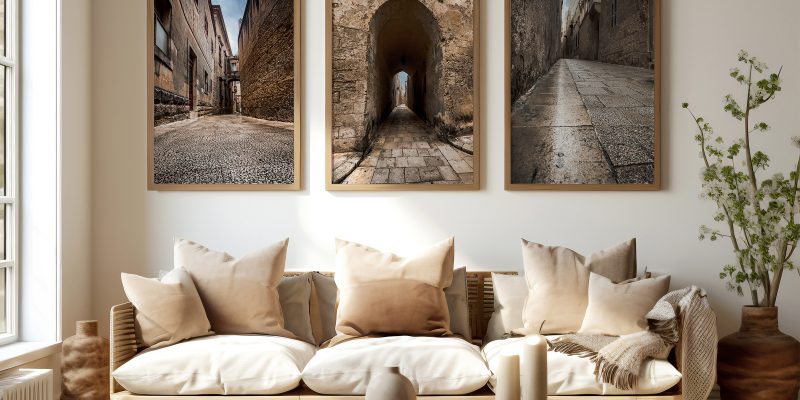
(27, 384)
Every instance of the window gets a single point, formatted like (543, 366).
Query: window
(205, 84)
(8, 170)
(613, 13)
(206, 24)
(163, 11)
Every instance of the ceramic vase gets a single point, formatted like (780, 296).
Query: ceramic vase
(84, 364)
(759, 362)
(389, 384)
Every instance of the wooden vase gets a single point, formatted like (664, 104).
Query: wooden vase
(84, 364)
(759, 362)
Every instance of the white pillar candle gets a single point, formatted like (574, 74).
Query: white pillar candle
(507, 387)
(534, 368)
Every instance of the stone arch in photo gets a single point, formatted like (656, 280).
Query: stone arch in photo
(404, 36)
(431, 40)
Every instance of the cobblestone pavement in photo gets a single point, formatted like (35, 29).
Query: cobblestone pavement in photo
(407, 151)
(585, 122)
(224, 149)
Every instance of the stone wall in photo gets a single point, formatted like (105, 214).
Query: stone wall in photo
(628, 41)
(535, 41)
(266, 60)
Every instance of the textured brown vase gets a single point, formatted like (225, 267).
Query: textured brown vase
(84, 364)
(759, 362)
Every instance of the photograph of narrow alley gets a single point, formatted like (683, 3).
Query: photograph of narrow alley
(402, 92)
(224, 92)
(582, 92)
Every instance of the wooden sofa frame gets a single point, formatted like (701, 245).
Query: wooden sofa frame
(480, 297)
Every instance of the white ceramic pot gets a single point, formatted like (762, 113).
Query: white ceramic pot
(389, 384)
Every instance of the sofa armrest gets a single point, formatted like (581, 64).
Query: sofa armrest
(123, 339)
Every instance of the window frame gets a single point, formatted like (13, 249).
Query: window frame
(11, 199)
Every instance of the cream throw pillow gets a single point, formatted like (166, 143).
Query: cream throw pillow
(620, 309)
(240, 295)
(167, 311)
(558, 283)
(384, 294)
(509, 299)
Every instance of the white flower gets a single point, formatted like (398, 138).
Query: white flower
(743, 56)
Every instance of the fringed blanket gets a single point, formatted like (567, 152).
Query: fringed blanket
(618, 359)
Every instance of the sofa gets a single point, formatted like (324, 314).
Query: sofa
(305, 371)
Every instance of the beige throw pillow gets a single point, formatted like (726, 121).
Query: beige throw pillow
(240, 295)
(620, 309)
(558, 283)
(456, 296)
(384, 294)
(295, 296)
(167, 311)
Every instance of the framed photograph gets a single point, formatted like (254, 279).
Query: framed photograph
(224, 97)
(582, 95)
(402, 95)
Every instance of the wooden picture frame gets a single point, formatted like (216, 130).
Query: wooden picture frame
(473, 184)
(296, 183)
(655, 184)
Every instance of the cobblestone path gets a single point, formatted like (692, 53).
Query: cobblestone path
(585, 122)
(407, 151)
(224, 149)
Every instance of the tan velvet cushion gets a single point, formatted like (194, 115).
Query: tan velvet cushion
(295, 296)
(618, 309)
(384, 294)
(323, 319)
(240, 295)
(558, 283)
(167, 311)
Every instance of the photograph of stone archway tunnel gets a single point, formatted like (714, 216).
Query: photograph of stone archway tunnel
(582, 92)
(224, 93)
(402, 92)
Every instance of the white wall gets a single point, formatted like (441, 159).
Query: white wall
(132, 228)
(75, 164)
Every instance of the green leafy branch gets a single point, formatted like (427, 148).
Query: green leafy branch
(759, 216)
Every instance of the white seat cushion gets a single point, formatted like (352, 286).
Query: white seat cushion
(222, 364)
(433, 365)
(573, 375)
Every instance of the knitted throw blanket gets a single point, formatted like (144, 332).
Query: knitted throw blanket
(618, 359)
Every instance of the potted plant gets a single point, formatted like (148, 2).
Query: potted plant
(760, 216)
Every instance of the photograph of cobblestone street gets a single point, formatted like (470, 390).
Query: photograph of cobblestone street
(582, 92)
(402, 93)
(223, 94)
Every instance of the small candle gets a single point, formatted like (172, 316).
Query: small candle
(507, 387)
(534, 368)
